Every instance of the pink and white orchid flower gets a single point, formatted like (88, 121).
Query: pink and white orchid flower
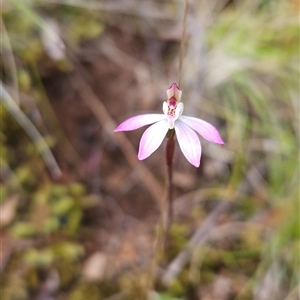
(172, 118)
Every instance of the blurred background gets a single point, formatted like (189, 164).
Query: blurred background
(80, 214)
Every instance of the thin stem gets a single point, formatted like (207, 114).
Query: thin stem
(169, 160)
(182, 42)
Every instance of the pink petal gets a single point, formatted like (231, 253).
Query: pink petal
(152, 138)
(139, 121)
(188, 142)
(205, 129)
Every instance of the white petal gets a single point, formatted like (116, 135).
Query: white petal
(152, 139)
(179, 110)
(165, 108)
(139, 121)
(208, 131)
(188, 142)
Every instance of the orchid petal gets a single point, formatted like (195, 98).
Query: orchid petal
(205, 129)
(139, 121)
(188, 142)
(152, 139)
(179, 110)
(165, 108)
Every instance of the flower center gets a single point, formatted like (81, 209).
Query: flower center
(172, 103)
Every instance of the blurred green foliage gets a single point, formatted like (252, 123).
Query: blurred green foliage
(32, 19)
(259, 93)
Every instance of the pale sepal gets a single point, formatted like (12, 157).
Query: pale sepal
(139, 121)
(152, 139)
(205, 129)
(189, 143)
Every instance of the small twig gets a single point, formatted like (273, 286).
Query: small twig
(31, 130)
(10, 60)
(6, 173)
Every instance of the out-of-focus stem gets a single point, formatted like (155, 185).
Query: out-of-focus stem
(182, 42)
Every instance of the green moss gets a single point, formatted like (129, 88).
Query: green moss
(15, 288)
(32, 278)
(177, 239)
(68, 271)
(26, 177)
(51, 224)
(74, 219)
(135, 285)
(62, 206)
(76, 189)
(3, 193)
(58, 190)
(68, 250)
(23, 229)
(85, 290)
(176, 288)
(24, 79)
(38, 258)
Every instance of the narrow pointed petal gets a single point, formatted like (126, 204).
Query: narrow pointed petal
(189, 143)
(139, 121)
(205, 129)
(152, 139)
